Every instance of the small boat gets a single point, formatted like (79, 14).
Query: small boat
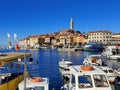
(111, 74)
(93, 46)
(64, 64)
(93, 60)
(87, 78)
(64, 69)
(35, 83)
(10, 81)
(112, 52)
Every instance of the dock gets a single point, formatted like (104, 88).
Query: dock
(11, 56)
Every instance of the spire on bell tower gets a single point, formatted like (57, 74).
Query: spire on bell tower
(71, 24)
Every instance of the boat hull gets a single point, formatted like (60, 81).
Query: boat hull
(93, 46)
(12, 84)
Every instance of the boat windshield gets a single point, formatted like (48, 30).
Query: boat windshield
(100, 81)
(106, 71)
(110, 71)
(85, 81)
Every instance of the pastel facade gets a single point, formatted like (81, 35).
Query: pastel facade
(103, 36)
(115, 38)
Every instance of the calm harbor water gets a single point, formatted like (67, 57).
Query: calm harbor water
(48, 63)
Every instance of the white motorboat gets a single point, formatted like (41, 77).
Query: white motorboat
(93, 60)
(35, 83)
(112, 52)
(93, 46)
(64, 64)
(111, 74)
(64, 68)
(87, 78)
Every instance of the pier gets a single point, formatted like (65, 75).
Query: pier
(7, 57)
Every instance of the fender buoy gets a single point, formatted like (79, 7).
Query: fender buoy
(87, 68)
(36, 79)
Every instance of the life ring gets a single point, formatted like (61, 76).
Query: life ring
(36, 79)
(87, 68)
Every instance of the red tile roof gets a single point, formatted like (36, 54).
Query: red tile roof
(103, 31)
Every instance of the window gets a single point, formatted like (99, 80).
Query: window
(85, 81)
(100, 81)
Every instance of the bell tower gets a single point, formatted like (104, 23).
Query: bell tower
(71, 24)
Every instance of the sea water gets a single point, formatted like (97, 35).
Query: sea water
(47, 65)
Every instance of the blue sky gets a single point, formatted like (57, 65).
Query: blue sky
(30, 17)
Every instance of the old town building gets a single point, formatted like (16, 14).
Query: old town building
(102, 36)
(115, 38)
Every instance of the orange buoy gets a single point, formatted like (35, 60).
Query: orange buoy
(36, 79)
(87, 68)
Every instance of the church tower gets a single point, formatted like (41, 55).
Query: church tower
(71, 24)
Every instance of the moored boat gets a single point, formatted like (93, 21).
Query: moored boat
(64, 64)
(110, 73)
(93, 60)
(112, 52)
(64, 69)
(92, 46)
(10, 81)
(35, 83)
(87, 78)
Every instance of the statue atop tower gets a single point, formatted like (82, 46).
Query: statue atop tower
(71, 24)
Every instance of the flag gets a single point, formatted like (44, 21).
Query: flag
(16, 46)
(8, 34)
(9, 41)
(15, 37)
(16, 40)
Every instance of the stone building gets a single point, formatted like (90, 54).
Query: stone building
(102, 36)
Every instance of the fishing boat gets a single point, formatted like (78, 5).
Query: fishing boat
(92, 46)
(112, 52)
(87, 78)
(110, 73)
(35, 83)
(10, 81)
(93, 60)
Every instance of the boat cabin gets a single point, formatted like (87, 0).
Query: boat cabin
(35, 83)
(87, 78)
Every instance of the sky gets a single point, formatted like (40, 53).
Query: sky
(32, 17)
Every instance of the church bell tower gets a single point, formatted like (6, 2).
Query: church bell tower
(71, 24)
